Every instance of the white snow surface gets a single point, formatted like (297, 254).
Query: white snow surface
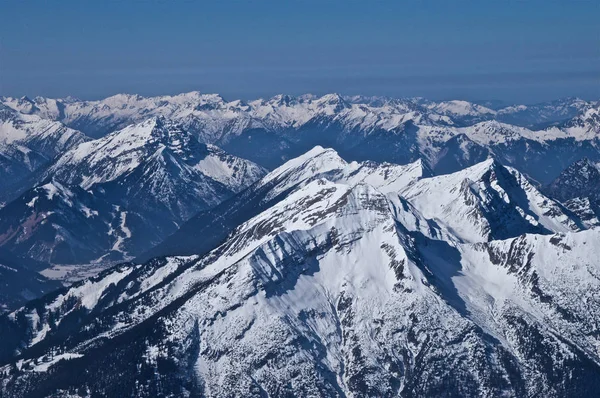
(120, 153)
(464, 201)
(215, 119)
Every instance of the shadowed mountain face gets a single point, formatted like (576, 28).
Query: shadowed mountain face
(329, 278)
(580, 179)
(578, 187)
(20, 282)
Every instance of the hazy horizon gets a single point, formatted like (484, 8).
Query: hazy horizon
(496, 102)
(512, 51)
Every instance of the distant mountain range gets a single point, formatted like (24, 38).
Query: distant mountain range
(540, 140)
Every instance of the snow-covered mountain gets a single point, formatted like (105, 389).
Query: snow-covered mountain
(330, 283)
(28, 142)
(117, 196)
(155, 141)
(212, 113)
(488, 201)
(543, 114)
(448, 135)
(202, 232)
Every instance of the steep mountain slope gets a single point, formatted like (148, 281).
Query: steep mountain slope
(580, 179)
(27, 143)
(333, 289)
(488, 201)
(202, 232)
(60, 224)
(578, 187)
(20, 282)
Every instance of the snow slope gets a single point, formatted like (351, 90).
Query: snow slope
(488, 201)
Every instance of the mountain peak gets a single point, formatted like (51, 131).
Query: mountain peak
(488, 201)
(157, 129)
(26, 99)
(308, 166)
(478, 170)
(283, 100)
(54, 188)
(334, 99)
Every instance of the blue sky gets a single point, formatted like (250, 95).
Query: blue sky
(517, 51)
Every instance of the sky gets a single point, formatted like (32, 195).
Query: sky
(515, 51)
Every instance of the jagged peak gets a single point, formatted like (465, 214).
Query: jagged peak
(51, 187)
(580, 178)
(282, 99)
(69, 99)
(472, 173)
(123, 97)
(583, 162)
(317, 153)
(490, 163)
(461, 108)
(155, 127)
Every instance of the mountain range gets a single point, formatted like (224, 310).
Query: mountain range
(28, 143)
(299, 246)
(539, 140)
(335, 278)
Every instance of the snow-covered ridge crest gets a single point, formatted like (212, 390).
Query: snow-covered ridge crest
(119, 153)
(326, 163)
(488, 201)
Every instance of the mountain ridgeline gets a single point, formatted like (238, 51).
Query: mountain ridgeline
(540, 140)
(330, 278)
(299, 246)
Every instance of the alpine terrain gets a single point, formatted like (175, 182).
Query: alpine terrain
(114, 197)
(329, 278)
